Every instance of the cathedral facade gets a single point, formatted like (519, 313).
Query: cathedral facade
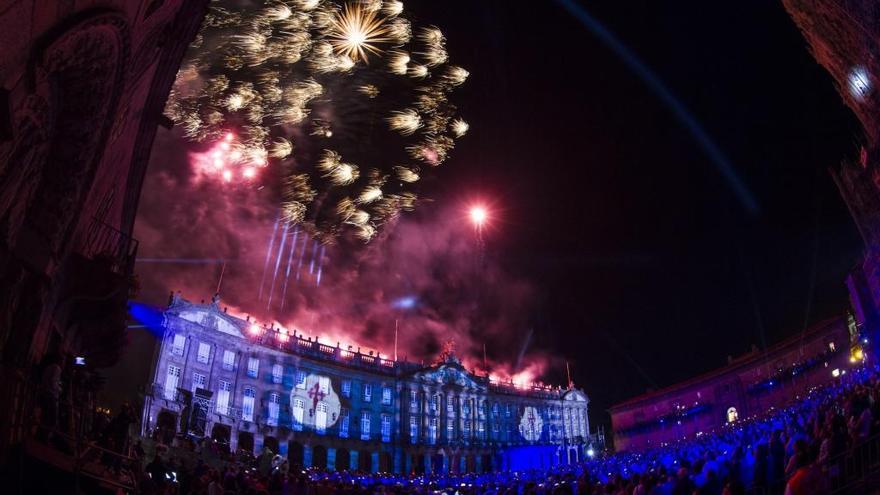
(253, 387)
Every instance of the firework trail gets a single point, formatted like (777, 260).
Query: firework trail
(268, 257)
(287, 271)
(277, 264)
(320, 267)
(302, 253)
(346, 101)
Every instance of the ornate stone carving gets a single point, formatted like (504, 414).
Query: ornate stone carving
(81, 73)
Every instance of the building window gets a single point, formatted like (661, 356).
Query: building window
(466, 430)
(450, 431)
(228, 359)
(253, 367)
(732, 415)
(413, 430)
(277, 373)
(199, 381)
(432, 430)
(171, 381)
(343, 423)
(301, 380)
(386, 427)
(368, 392)
(247, 405)
(321, 417)
(481, 430)
(386, 396)
(495, 410)
(204, 351)
(507, 410)
(177, 345)
(298, 408)
(346, 388)
(274, 408)
(365, 425)
(435, 400)
(413, 401)
(324, 385)
(450, 404)
(466, 407)
(223, 397)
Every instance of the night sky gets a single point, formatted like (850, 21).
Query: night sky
(649, 268)
(644, 266)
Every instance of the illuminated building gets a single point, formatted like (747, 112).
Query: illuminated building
(331, 407)
(748, 385)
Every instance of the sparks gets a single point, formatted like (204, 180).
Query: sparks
(478, 215)
(357, 31)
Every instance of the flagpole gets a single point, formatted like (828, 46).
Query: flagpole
(568, 372)
(220, 282)
(395, 338)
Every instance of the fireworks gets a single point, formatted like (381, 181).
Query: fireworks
(357, 31)
(307, 88)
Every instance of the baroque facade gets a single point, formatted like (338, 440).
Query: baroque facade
(82, 89)
(253, 387)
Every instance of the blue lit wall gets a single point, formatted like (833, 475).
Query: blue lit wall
(530, 457)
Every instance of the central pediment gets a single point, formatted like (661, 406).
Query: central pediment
(448, 374)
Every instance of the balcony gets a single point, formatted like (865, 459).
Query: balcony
(103, 241)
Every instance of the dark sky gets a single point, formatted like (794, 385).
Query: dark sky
(643, 256)
(646, 267)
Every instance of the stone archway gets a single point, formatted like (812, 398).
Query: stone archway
(343, 460)
(365, 461)
(271, 443)
(319, 457)
(166, 426)
(295, 454)
(246, 441)
(386, 463)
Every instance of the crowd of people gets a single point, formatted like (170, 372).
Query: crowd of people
(796, 450)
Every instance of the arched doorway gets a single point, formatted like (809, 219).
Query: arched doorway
(365, 461)
(471, 464)
(246, 441)
(343, 460)
(295, 454)
(386, 464)
(221, 433)
(486, 461)
(418, 463)
(319, 457)
(166, 426)
(271, 443)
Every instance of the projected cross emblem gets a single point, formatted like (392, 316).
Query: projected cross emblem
(316, 394)
(532, 421)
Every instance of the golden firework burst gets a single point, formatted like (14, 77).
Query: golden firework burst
(356, 32)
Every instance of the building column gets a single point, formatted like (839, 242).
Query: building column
(233, 439)
(397, 467)
(258, 442)
(331, 459)
(374, 462)
(307, 456)
(479, 463)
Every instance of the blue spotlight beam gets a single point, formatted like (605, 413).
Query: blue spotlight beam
(681, 112)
